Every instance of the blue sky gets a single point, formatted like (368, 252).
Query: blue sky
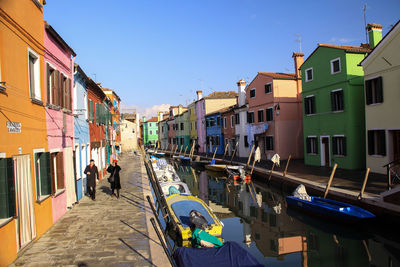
(160, 52)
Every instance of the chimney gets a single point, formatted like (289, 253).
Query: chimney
(374, 34)
(199, 94)
(144, 119)
(158, 116)
(241, 92)
(298, 61)
(179, 109)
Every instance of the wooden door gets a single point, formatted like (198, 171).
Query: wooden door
(325, 144)
(24, 197)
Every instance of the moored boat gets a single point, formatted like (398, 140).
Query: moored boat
(181, 187)
(216, 167)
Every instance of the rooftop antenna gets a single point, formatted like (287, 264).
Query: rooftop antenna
(365, 22)
(298, 39)
(95, 77)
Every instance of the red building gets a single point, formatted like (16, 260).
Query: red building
(97, 125)
(228, 128)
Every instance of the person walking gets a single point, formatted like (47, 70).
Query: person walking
(91, 174)
(114, 179)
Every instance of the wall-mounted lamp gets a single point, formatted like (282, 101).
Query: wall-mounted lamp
(277, 107)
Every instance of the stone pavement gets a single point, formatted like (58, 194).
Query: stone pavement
(105, 232)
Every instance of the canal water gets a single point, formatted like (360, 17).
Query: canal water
(256, 217)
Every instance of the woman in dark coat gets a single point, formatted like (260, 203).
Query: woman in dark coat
(91, 175)
(115, 183)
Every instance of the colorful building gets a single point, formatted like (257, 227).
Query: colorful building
(81, 129)
(150, 131)
(97, 125)
(25, 186)
(333, 106)
(129, 132)
(228, 129)
(193, 122)
(113, 146)
(274, 116)
(59, 62)
(214, 136)
(163, 130)
(382, 94)
(240, 110)
(183, 130)
(207, 105)
(173, 125)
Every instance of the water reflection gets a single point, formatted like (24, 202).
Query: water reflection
(256, 217)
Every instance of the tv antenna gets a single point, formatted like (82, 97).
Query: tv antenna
(298, 40)
(365, 21)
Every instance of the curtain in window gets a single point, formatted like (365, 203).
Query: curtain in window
(69, 176)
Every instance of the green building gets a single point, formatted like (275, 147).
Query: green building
(182, 131)
(333, 106)
(150, 131)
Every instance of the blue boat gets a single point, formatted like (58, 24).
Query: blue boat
(330, 208)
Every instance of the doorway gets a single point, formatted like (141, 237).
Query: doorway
(325, 153)
(24, 193)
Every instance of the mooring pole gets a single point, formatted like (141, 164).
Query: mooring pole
(330, 180)
(234, 151)
(215, 152)
(251, 153)
(226, 149)
(360, 196)
(287, 165)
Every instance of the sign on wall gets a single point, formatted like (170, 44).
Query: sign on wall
(14, 127)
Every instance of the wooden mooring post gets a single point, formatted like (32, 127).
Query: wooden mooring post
(360, 196)
(234, 151)
(184, 153)
(215, 152)
(287, 165)
(251, 153)
(270, 172)
(330, 180)
(226, 149)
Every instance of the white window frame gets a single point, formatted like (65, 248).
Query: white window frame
(254, 93)
(337, 90)
(306, 76)
(316, 144)
(273, 142)
(225, 123)
(232, 124)
(340, 67)
(271, 88)
(333, 136)
(36, 75)
(311, 114)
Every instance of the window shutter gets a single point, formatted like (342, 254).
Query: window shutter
(379, 90)
(333, 101)
(381, 143)
(48, 74)
(341, 100)
(371, 146)
(313, 105)
(308, 144)
(334, 145)
(52, 171)
(368, 93)
(56, 90)
(307, 106)
(316, 145)
(69, 100)
(7, 188)
(60, 170)
(45, 177)
(344, 147)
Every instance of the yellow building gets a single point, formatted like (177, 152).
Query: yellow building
(382, 94)
(25, 202)
(193, 122)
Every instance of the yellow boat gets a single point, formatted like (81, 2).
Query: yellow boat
(180, 207)
(216, 167)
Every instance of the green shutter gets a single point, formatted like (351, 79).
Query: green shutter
(91, 110)
(98, 111)
(7, 188)
(45, 178)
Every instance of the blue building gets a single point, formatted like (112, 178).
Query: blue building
(214, 136)
(81, 129)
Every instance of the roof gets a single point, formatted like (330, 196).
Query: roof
(95, 87)
(152, 119)
(58, 38)
(221, 94)
(222, 110)
(228, 109)
(362, 49)
(80, 70)
(108, 89)
(279, 75)
(377, 47)
(129, 116)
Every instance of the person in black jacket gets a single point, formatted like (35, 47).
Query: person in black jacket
(91, 174)
(114, 179)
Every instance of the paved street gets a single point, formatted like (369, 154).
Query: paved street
(105, 232)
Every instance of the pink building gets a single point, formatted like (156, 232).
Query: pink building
(59, 62)
(275, 112)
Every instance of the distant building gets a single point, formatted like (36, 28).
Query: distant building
(183, 130)
(228, 128)
(382, 94)
(113, 145)
(150, 131)
(129, 132)
(214, 136)
(163, 130)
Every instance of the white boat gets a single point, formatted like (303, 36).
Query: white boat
(180, 186)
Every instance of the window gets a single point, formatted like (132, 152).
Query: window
(91, 111)
(309, 105)
(261, 115)
(212, 122)
(246, 142)
(250, 117)
(232, 120)
(182, 141)
(237, 118)
(156, 131)
(269, 143)
(7, 188)
(335, 65)
(376, 142)
(252, 92)
(337, 100)
(311, 143)
(57, 172)
(374, 91)
(339, 145)
(42, 173)
(217, 141)
(34, 75)
(309, 74)
(182, 126)
(269, 114)
(225, 123)
(268, 88)
(151, 132)
(218, 121)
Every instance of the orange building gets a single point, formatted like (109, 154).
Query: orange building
(25, 206)
(115, 142)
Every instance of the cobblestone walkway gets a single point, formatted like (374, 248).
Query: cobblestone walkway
(105, 232)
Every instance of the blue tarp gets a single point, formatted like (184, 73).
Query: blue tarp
(230, 254)
(183, 208)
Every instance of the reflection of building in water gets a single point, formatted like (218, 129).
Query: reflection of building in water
(216, 190)
(186, 175)
(203, 187)
(384, 252)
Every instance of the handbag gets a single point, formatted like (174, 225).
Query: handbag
(111, 178)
